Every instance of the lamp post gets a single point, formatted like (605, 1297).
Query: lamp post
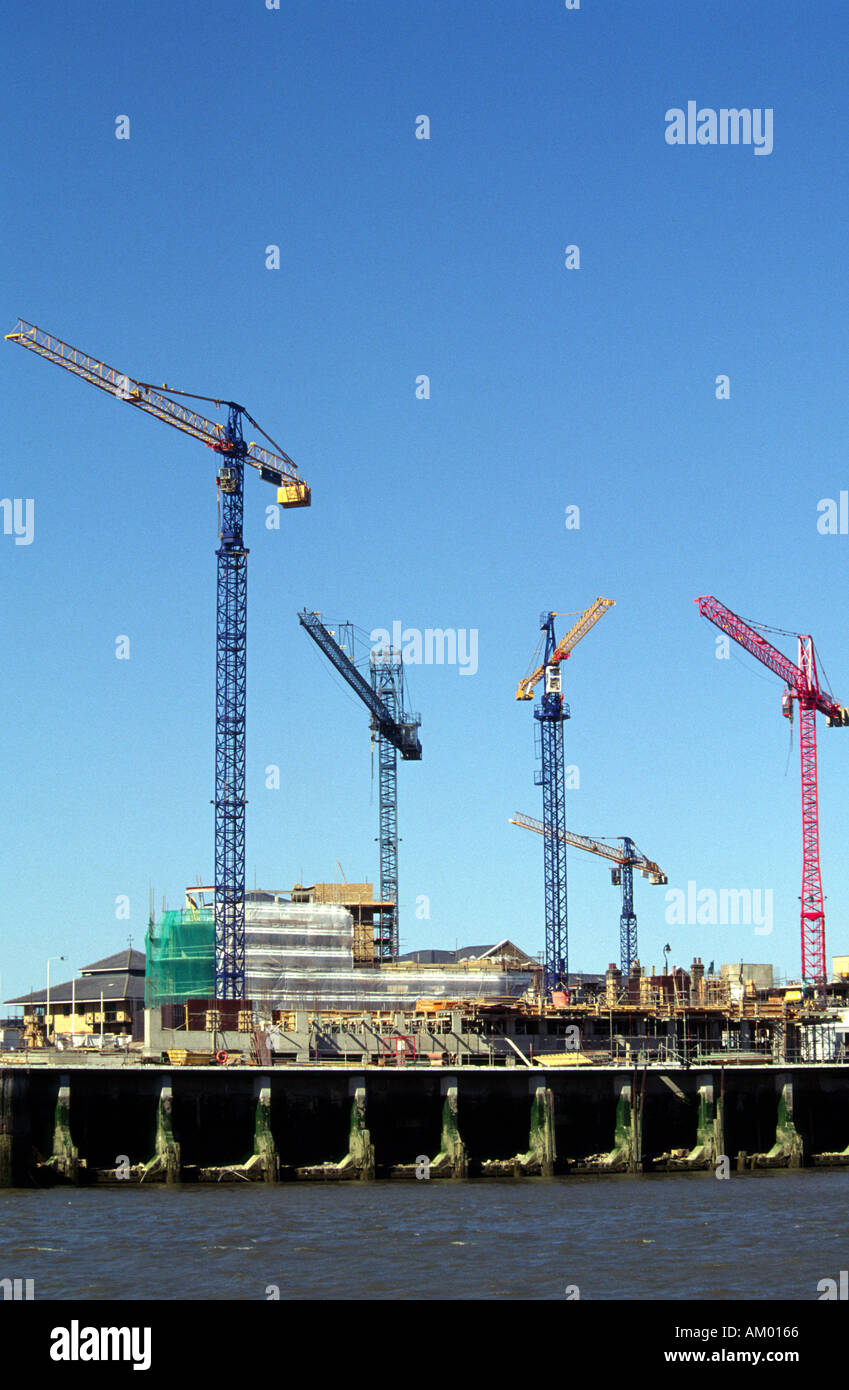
(47, 1006)
(74, 1007)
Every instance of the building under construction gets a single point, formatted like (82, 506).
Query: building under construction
(312, 948)
(317, 990)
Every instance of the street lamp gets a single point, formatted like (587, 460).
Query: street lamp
(74, 1006)
(47, 1006)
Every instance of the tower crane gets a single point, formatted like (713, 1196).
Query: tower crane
(397, 731)
(227, 440)
(802, 684)
(550, 714)
(627, 859)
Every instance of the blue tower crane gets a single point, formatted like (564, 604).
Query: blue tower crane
(550, 714)
(626, 859)
(231, 626)
(397, 731)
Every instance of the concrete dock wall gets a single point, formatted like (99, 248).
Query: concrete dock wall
(186, 1124)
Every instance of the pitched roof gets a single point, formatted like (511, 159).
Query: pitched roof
(127, 960)
(113, 985)
(501, 948)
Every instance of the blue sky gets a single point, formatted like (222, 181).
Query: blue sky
(549, 388)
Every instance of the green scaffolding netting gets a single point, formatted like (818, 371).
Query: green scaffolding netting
(180, 957)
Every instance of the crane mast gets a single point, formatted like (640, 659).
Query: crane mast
(627, 917)
(551, 713)
(802, 685)
(230, 712)
(231, 621)
(387, 685)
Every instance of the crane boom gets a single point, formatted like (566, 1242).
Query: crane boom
(275, 468)
(614, 853)
(587, 620)
(801, 679)
(403, 733)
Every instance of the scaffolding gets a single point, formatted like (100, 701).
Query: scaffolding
(180, 957)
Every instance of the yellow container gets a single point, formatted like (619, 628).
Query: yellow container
(294, 495)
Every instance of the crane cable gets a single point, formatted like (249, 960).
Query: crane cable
(213, 400)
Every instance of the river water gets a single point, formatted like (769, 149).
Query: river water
(768, 1235)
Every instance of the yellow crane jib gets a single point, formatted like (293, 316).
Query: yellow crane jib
(616, 853)
(587, 620)
(274, 467)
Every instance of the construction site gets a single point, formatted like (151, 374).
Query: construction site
(281, 1033)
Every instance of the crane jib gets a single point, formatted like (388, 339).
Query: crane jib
(274, 468)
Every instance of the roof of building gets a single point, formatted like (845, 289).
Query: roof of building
(501, 948)
(115, 977)
(130, 961)
(430, 957)
(87, 989)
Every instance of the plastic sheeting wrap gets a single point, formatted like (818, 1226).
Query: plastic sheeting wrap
(308, 941)
(301, 956)
(384, 990)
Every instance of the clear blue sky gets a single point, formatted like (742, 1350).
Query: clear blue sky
(549, 387)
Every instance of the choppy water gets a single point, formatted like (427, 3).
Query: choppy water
(758, 1235)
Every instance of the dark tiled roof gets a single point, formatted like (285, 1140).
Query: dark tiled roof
(112, 985)
(127, 960)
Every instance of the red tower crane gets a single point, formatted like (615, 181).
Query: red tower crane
(802, 684)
